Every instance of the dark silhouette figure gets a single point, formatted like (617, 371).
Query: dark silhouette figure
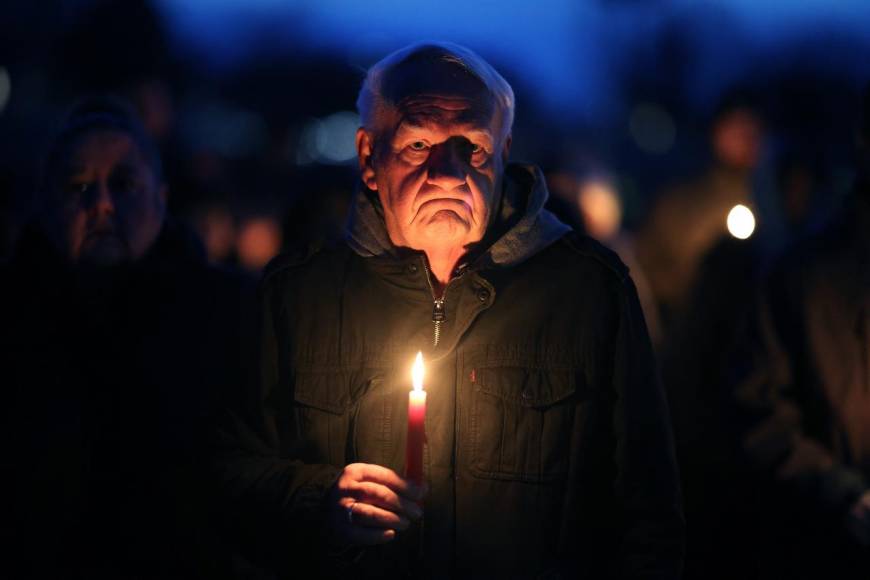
(118, 344)
(803, 388)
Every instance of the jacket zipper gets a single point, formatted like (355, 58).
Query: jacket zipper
(439, 315)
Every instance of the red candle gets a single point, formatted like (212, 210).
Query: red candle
(416, 424)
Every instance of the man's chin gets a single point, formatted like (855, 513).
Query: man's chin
(103, 252)
(443, 236)
(446, 225)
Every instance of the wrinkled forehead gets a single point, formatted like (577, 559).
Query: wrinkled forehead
(430, 109)
(432, 90)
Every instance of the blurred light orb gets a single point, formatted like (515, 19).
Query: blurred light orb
(216, 226)
(741, 222)
(652, 128)
(601, 209)
(331, 140)
(259, 240)
(5, 88)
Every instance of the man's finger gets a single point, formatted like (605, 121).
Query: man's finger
(384, 497)
(388, 477)
(359, 536)
(370, 516)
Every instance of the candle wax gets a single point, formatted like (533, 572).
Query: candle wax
(416, 435)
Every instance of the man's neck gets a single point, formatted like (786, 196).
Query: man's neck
(442, 262)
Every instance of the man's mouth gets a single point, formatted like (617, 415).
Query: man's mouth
(102, 236)
(101, 233)
(446, 202)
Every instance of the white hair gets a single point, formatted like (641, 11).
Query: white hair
(372, 100)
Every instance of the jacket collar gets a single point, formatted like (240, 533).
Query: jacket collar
(522, 229)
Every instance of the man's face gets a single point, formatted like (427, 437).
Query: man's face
(107, 206)
(437, 166)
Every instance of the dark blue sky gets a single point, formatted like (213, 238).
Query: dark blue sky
(571, 53)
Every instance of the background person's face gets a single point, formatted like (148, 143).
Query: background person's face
(108, 206)
(737, 139)
(437, 170)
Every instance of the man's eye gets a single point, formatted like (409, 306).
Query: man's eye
(123, 184)
(418, 146)
(78, 188)
(475, 148)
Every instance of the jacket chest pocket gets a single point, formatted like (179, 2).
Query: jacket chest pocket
(521, 421)
(344, 417)
(322, 401)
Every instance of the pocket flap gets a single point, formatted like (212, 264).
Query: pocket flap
(529, 387)
(331, 390)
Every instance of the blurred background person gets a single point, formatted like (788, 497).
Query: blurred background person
(591, 204)
(696, 363)
(689, 219)
(802, 381)
(119, 344)
(698, 252)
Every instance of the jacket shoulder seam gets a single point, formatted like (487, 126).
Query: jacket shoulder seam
(296, 258)
(594, 250)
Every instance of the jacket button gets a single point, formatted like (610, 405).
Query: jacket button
(412, 268)
(482, 295)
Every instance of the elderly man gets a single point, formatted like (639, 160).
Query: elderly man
(548, 450)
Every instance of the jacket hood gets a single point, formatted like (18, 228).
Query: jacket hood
(522, 228)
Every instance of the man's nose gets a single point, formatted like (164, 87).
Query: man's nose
(447, 167)
(102, 201)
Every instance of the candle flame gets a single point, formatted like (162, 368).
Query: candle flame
(417, 372)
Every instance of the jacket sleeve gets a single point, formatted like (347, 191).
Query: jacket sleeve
(774, 394)
(273, 498)
(653, 539)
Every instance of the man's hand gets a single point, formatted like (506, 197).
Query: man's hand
(858, 519)
(369, 504)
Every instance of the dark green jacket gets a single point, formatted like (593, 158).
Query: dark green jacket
(549, 449)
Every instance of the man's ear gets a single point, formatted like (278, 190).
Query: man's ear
(505, 152)
(365, 153)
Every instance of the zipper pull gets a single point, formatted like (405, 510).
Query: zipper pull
(438, 314)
